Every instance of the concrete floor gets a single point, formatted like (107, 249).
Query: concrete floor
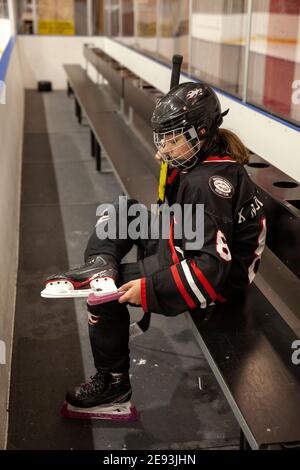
(60, 194)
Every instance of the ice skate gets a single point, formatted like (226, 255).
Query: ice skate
(82, 280)
(106, 396)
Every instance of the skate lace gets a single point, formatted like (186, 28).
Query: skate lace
(89, 261)
(94, 386)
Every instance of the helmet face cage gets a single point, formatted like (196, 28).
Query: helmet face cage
(166, 140)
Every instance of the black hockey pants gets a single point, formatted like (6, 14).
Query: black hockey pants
(109, 325)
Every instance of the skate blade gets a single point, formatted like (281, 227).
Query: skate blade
(96, 299)
(66, 295)
(117, 412)
(63, 289)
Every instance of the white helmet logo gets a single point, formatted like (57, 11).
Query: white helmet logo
(194, 93)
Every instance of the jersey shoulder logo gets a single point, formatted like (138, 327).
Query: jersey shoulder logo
(221, 186)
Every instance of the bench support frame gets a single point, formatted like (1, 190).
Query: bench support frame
(98, 155)
(69, 89)
(93, 144)
(78, 111)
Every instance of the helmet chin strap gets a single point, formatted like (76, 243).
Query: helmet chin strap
(210, 147)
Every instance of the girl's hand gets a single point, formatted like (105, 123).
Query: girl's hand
(158, 157)
(133, 292)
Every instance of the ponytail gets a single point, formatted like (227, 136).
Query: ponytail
(234, 146)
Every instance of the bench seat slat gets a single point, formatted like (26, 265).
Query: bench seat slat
(91, 97)
(127, 156)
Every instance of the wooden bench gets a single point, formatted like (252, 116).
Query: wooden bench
(87, 94)
(131, 162)
(107, 67)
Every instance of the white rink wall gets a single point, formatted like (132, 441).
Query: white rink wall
(11, 138)
(278, 143)
(42, 59)
(5, 33)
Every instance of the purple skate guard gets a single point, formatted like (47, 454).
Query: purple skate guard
(116, 412)
(94, 299)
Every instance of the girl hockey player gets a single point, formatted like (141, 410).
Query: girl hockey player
(205, 167)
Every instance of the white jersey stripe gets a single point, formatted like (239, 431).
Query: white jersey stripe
(192, 284)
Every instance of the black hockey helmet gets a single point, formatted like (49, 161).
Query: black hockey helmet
(190, 103)
(192, 109)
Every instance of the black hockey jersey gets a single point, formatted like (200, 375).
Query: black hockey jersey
(178, 278)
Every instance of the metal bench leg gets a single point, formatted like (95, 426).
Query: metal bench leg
(93, 144)
(78, 111)
(98, 156)
(244, 445)
(76, 108)
(69, 89)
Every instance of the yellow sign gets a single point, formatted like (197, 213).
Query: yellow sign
(58, 27)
